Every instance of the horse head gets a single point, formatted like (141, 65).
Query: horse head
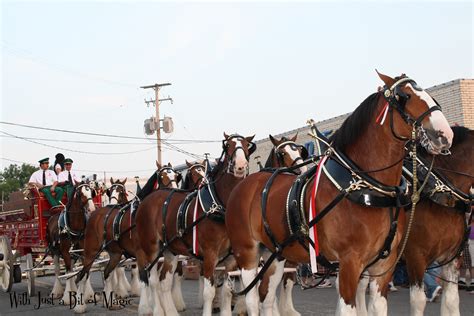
(117, 192)
(237, 150)
(288, 153)
(167, 176)
(85, 193)
(196, 173)
(417, 109)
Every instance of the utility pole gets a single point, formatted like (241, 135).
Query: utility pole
(157, 87)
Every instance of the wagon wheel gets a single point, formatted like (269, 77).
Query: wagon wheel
(6, 264)
(30, 275)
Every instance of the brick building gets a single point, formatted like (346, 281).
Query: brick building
(456, 97)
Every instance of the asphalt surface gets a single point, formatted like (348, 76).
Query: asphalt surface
(308, 302)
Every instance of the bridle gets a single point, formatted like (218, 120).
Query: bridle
(195, 183)
(115, 186)
(294, 146)
(251, 149)
(396, 100)
(168, 170)
(77, 189)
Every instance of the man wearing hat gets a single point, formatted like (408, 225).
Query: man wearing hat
(46, 181)
(68, 178)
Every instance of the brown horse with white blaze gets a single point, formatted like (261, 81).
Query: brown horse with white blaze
(439, 227)
(207, 239)
(67, 229)
(351, 232)
(111, 228)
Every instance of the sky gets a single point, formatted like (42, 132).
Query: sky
(242, 67)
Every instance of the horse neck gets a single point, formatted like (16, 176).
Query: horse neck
(272, 160)
(377, 148)
(76, 214)
(123, 199)
(460, 160)
(225, 183)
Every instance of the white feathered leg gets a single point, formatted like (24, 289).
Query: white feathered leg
(70, 290)
(177, 293)
(58, 289)
(450, 295)
(285, 305)
(251, 299)
(135, 282)
(269, 307)
(361, 305)
(81, 306)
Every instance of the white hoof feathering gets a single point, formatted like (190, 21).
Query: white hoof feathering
(285, 304)
(251, 298)
(377, 302)
(81, 306)
(70, 291)
(209, 293)
(120, 289)
(58, 289)
(144, 307)
(417, 300)
(177, 293)
(135, 283)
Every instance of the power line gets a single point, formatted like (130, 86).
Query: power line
(77, 151)
(85, 170)
(100, 134)
(174, 141)
(165, 144)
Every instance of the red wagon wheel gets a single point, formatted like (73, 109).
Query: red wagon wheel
(6, 264)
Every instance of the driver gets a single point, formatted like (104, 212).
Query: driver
(46, 181)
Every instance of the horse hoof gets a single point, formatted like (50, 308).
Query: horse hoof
(115, 307)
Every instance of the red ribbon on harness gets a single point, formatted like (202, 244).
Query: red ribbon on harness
(313, 232)
(195, 232)
(381, 117)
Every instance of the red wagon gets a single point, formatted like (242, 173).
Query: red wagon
(23, 223)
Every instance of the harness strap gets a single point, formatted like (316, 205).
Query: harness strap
(264, 208)
(164, 212)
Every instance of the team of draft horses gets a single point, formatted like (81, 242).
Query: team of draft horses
(395, 179)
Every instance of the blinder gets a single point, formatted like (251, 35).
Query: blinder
(294, 146)
(397, 100)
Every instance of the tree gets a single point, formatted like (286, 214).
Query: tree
(14, 177)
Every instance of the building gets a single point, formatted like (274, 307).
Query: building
(456, 98)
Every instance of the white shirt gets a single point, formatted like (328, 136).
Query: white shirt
(37, 177)
(64, 176)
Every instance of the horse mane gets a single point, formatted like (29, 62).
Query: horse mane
(356, 123)
(71, 199)
(186, 185)
(460, 134)
(148, 187)
(269, 162)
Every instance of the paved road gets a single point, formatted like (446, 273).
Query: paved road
(309, 302)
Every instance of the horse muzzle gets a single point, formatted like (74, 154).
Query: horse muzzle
(436, 142)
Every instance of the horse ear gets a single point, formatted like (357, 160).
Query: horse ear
(111, 180)
(158, 165)
(250, 138)
(293, 139)
(188, 163)
(273, 140)
(389, 81)
(226, 136)
(169, 164)
(123, 182)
